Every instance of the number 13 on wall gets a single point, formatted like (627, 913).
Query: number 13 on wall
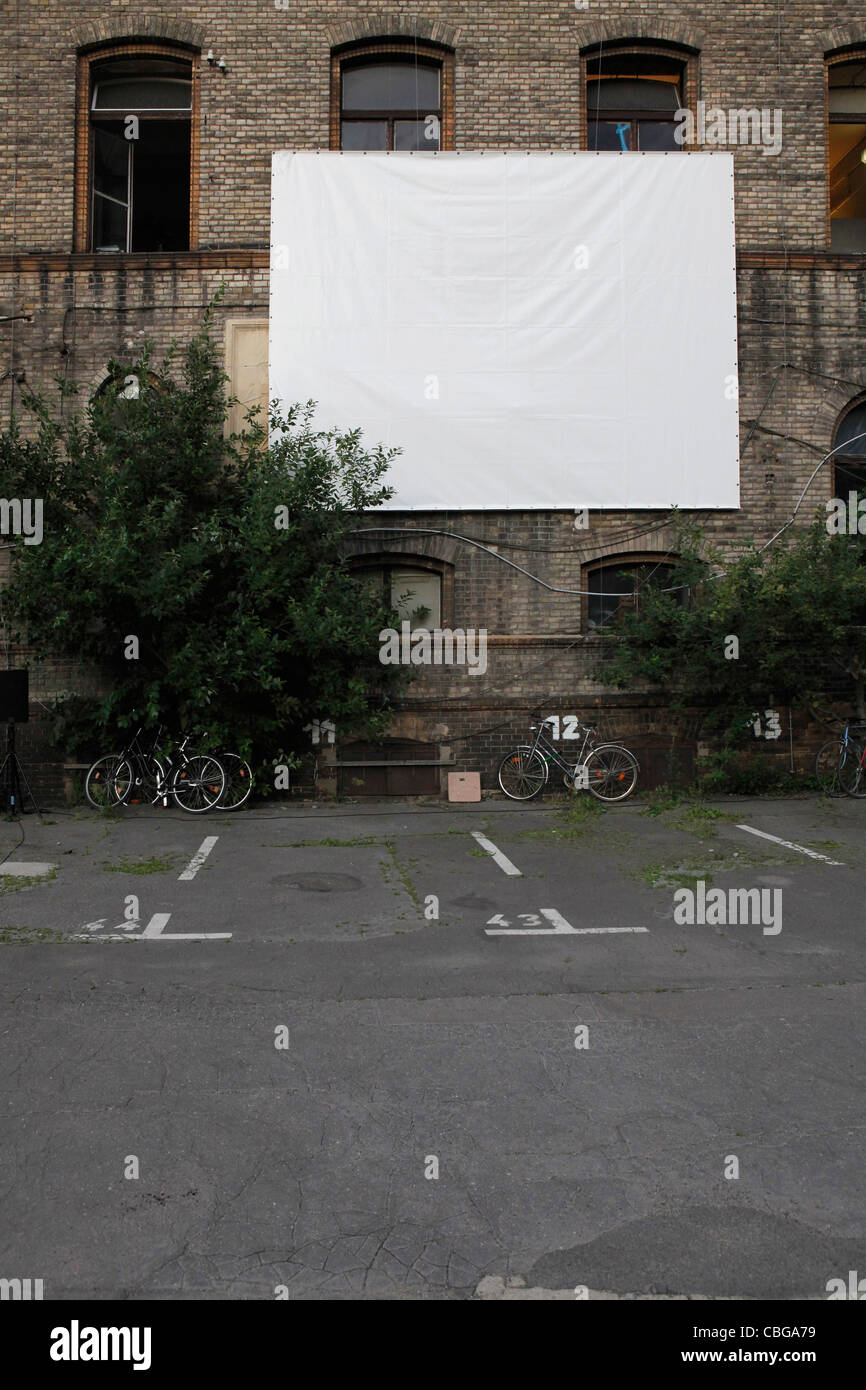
(772, 727)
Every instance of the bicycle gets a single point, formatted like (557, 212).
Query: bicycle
(239, 782)
(194, 781)
(840, 764)
(607, 770)
(239, 779)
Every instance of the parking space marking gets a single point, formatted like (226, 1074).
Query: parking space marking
(198, 858)
(789, 844)
(18, 868)
(496, 855)
(158, 922)
(560, 927)
(154, 931)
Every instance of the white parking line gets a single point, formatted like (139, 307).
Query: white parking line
(154, 931)
(560, 928)
(789, 844)
(16, 868)
(198, 858)
(496, 855)
(157, 924)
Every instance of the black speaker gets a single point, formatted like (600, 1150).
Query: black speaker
(14, 696)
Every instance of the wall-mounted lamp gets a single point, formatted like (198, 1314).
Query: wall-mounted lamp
(863, 156)
(209, 57)
(222, 64)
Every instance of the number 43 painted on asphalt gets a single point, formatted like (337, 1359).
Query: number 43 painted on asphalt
(534, 926)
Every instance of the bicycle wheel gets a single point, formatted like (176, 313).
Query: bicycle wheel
(149, 780)
(852, 773)
(198, 783)
(108, 781)
(612, 772)
(239, 782)
(828, 764)
(522, 774)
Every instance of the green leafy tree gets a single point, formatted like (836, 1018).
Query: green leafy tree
(222, 557)
(796, 613)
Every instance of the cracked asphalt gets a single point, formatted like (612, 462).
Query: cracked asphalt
(242, 1085)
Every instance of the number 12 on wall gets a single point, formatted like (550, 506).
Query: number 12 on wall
(569, 726)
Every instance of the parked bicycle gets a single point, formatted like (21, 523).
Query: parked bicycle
(607, 770)
(195, 781)
(840, 766)
(239, 780)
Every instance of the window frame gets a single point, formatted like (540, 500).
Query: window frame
(388, 563)
(403, 50)
(628, 560)
(858, 403)
(84, 142)
(651, 49)
(851, 55)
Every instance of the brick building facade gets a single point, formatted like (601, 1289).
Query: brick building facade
(262, 75)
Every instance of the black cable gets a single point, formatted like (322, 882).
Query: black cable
(19, 844)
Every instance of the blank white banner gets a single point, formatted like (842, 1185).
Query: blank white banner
(533, 330)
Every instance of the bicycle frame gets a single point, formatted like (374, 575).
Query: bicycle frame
(849, 742)
(545, 749)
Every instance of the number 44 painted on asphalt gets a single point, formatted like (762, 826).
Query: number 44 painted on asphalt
(533, 925)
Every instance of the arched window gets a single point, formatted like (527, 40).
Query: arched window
(127, 385)
(393, 95)
(136, 138)
(849, 465)
(846, 152)
(616, 586)
(632, 96)
(417, 588)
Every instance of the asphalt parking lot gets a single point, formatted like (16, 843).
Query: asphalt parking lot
(421, 1051)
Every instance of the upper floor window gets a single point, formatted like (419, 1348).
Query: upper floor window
(847, 154)
(392, 96)
(632, 99)
(849, 465)
(135, 151)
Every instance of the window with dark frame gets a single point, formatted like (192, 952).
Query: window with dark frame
(391, 103)
(415, 594)
(140, 114)
(615, 588)
(631, 101)
(846, 153)
(392, 94)
(849, 465)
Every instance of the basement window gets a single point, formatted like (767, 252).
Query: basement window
(417, 597)
(140, 154)
(414, 594)
(615, 588)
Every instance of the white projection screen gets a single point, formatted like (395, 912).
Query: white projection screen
(539, 330)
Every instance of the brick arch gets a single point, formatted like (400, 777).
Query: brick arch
(834, 406)
(125, 26)
(407, 545)
(393, 26)
(656, 544)
(653, 30)
(843, 406)
(843, 36)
